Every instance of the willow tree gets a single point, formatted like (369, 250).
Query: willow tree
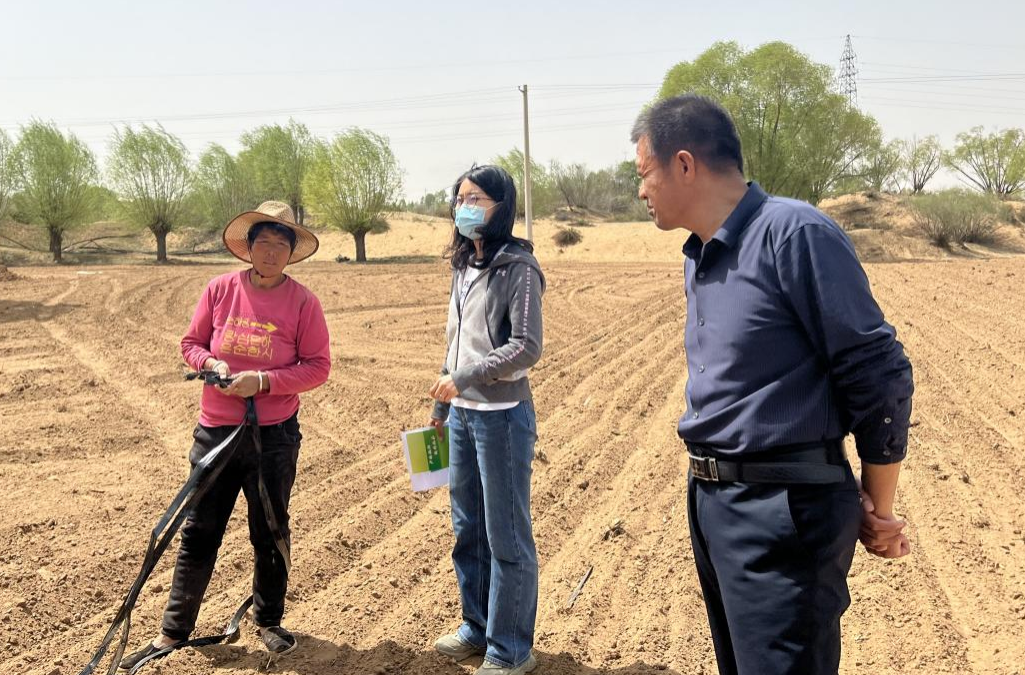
(881, 167)
(993, 162)
(351, 182)
(277, 159)
(544, 198)
(222, 187)
(56, 174)
(800, 137)
(149, 169)
(922, 158)
(8, 176)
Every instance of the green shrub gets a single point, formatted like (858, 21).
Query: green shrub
(958, 216)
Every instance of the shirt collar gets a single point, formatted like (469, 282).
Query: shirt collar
(738, 220)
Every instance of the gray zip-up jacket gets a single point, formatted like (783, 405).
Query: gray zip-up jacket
(495, 336)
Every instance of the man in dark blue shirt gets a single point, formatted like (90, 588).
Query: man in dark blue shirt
(787, 353)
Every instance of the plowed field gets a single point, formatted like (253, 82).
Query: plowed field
(96, 423)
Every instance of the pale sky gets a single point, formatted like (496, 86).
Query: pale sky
(440, 80)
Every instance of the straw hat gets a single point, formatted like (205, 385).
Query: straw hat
(235, 233)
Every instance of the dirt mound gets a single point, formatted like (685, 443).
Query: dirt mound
(6, 274)
(871, 211)
(883, 228)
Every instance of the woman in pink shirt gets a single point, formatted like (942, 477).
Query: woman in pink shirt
(266, 332)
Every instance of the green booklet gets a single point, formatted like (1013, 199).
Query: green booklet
(426, 457)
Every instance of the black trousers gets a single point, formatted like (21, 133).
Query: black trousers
(772, 562)
(204, 527)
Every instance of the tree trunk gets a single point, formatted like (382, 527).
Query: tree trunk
(56, 241)
(361, 245)
(161, 236)
(300, 214)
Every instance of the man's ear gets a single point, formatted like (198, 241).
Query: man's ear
(685, 163)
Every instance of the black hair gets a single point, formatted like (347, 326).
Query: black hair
(694, 123)
(270, 226)
(497, 184)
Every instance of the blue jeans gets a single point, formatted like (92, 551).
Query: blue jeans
(494, 555)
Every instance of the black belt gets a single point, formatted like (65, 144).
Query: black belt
(823, 464)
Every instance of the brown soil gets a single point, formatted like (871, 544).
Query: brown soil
(97, 422)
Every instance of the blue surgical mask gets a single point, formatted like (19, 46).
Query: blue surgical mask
(468, 219)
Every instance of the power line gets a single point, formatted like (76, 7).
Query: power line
(441, 100)
(434, 123)
(947, 78)
(951, 106)
(902, 66)
(427, 100)
(916, 86)
(989, 45)
(625, 85)
(947, 92)
(498, 133)
(339, 71)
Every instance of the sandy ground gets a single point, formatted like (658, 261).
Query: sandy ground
(882, 227)
(883, 230)
(425, 238)
(97, 423)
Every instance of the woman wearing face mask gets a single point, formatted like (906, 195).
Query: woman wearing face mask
(494, 337)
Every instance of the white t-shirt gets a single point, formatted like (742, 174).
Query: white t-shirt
(466, 279)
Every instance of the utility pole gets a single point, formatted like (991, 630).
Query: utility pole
(527, 205)
(847, 78)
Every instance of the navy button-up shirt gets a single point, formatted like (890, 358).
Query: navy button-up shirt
(785, 343)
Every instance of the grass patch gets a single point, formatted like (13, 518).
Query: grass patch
(569, 236)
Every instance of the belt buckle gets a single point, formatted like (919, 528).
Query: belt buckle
(704, 468)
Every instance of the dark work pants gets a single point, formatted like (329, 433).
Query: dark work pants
(204, 527)
(772, 562)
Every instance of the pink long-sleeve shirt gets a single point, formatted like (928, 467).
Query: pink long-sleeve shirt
(280, 331)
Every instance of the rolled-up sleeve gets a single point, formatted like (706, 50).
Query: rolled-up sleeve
(829, 292)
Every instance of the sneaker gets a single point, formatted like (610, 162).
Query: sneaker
(457, 648)
(489, 668)
(277, 640)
